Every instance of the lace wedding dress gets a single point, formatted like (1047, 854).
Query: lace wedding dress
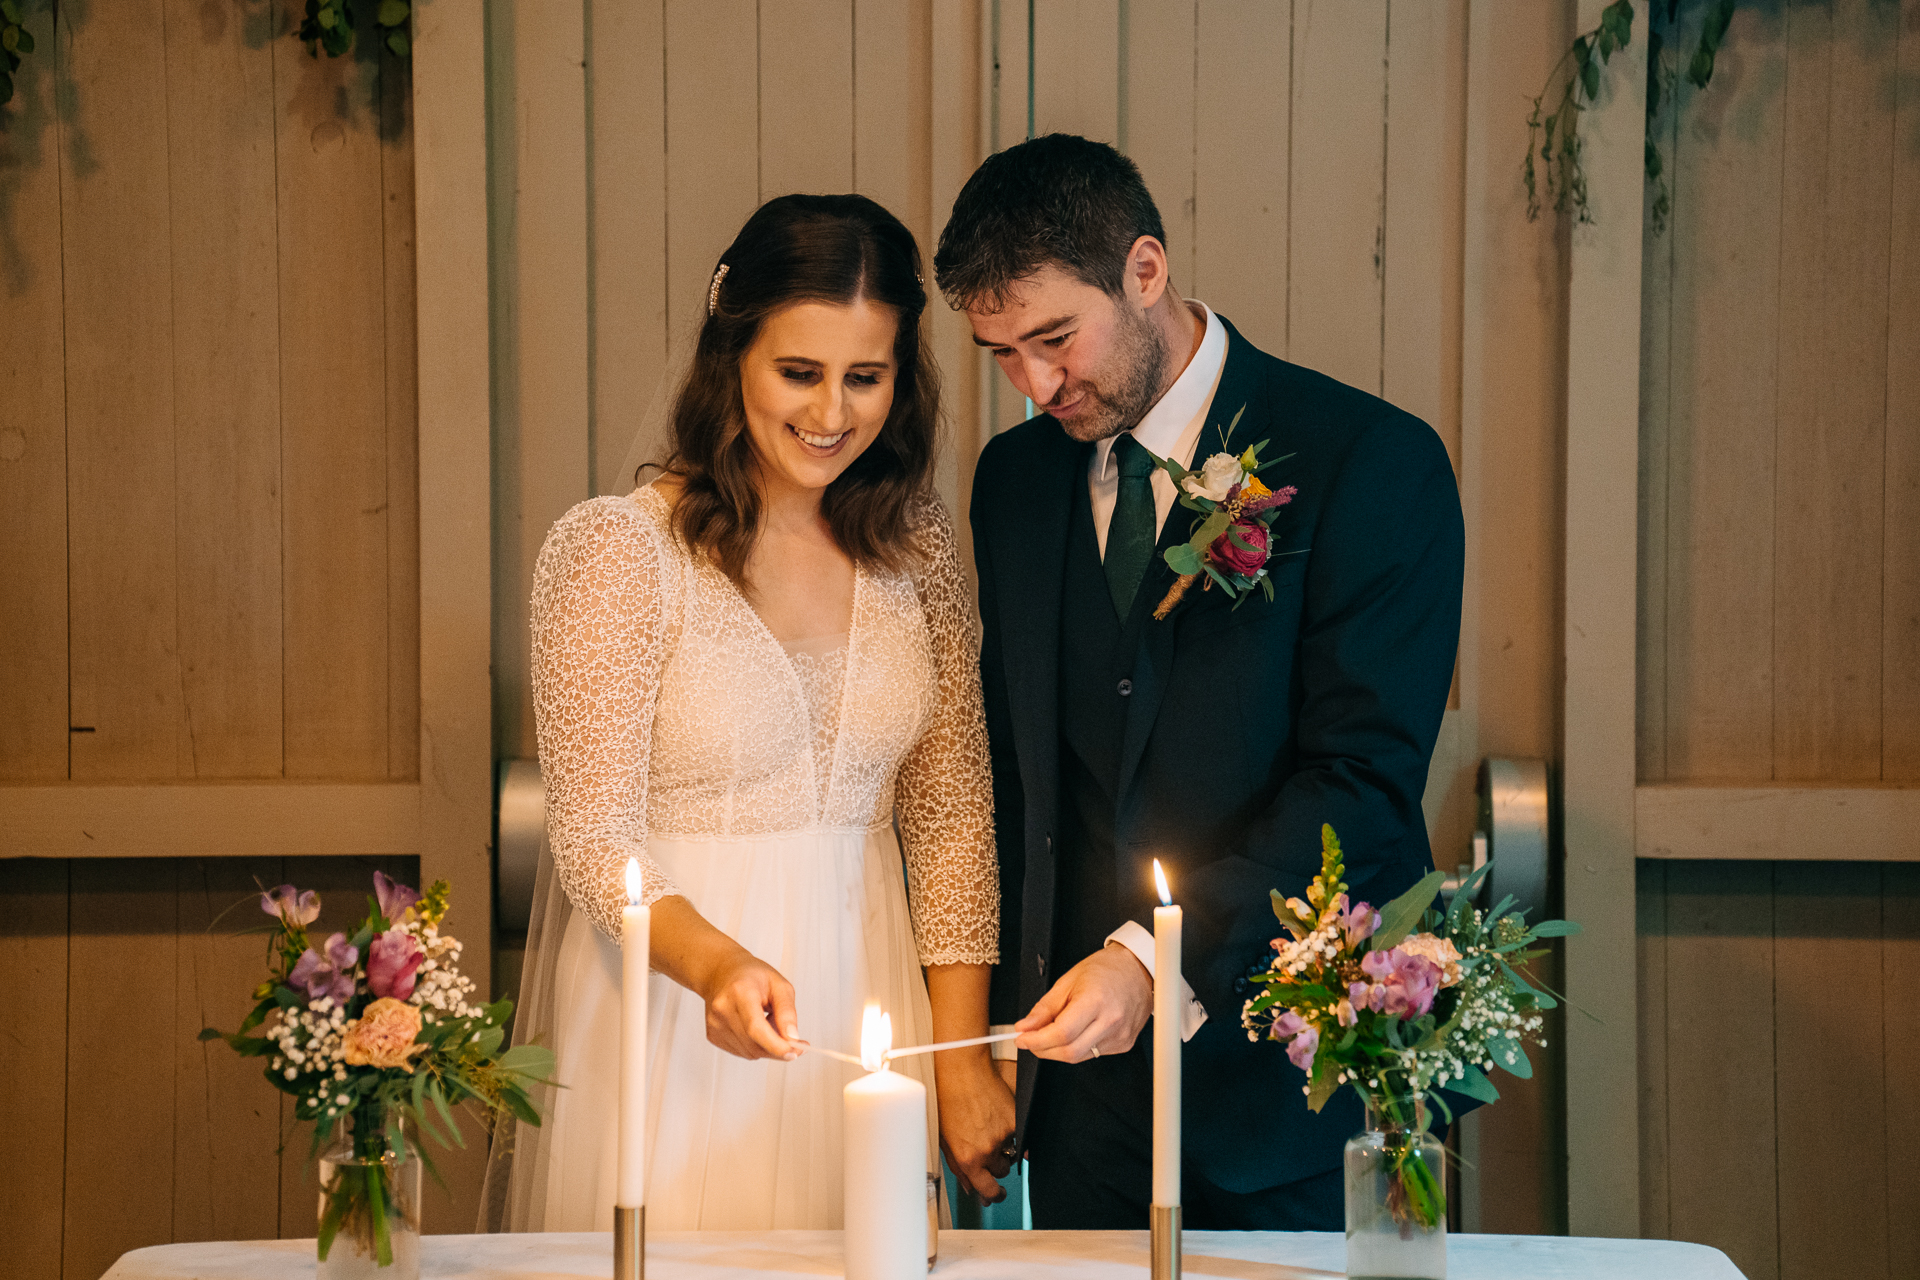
(763, 783)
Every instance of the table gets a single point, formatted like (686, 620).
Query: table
(964, 1255)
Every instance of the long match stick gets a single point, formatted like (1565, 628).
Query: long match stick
(951, 1044)
(837, 1056)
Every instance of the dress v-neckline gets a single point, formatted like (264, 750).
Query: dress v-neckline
(822, 789)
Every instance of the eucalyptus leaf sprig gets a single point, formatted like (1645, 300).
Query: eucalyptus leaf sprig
(15, 40)
(329, 25)
(1553, 160)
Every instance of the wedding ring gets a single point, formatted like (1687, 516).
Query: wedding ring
(1095, 1051)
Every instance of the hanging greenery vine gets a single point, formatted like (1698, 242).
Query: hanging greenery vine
(328, 25)
(1552, 170)
(15, 40)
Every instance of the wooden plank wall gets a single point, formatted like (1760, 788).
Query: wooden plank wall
(125, 1131)
(1779, 1051)
(1779, 637)
(207, 473)
(1780, 584)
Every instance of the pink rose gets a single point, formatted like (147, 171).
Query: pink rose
(383, 1035)
(392, 960)
(1226, 555)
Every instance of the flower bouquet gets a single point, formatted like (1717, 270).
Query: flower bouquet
(1397, 1002)
(1233, 538)
(371, 1031)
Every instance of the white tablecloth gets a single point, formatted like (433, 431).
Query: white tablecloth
(964, 1255)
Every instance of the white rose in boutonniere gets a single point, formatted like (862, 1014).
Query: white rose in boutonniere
(1215, 478)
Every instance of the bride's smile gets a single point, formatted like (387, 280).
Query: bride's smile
(817, 385)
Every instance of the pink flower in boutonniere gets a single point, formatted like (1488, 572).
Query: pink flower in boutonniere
(1241, 549)
(1232, 539)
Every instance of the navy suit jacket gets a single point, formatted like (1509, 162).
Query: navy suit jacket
(1247, 728)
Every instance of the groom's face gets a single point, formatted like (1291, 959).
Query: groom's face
(1092, 361)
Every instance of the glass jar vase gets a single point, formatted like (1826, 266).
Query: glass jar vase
(1396, 1196)
(370, 1200)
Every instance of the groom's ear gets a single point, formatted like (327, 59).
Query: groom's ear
(1146, 277)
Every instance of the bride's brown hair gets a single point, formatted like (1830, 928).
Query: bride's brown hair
(835, 249)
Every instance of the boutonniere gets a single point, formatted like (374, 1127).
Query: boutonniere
(1233, 535)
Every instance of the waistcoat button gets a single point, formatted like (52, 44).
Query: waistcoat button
(1126, 688)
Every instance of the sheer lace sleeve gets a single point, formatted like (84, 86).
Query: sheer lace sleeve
(945, 795)
(602, 629)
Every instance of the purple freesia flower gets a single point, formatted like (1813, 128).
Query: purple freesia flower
(329, 974)
(1302, 1040)
(394, 897)
(1403, 984)
(1288, 1025)
(1359, 922)
(393, 958)
(293, 907)
(1301, 1048)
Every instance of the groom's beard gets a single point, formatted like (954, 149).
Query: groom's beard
(1125, 387)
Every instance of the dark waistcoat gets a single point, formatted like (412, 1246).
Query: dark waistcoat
(1097, 655)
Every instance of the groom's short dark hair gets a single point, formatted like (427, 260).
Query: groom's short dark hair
(1058, 199)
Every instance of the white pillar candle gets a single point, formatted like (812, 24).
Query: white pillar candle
(1167, 988)
(885, 1159)
(630, 1188)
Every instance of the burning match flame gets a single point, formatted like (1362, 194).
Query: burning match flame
(876, 1038)
(633, 881)
(1160, 883)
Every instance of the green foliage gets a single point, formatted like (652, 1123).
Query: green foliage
(15, 40)
(1398, 918)
(329, 24)
(1552, 169)
(1290, 920)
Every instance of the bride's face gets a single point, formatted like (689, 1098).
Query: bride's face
(817, 384)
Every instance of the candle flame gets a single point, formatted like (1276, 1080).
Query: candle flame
(1160, 883)
(633, 881)
(876, 1038)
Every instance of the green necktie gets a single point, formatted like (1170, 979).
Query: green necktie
(1131, 536)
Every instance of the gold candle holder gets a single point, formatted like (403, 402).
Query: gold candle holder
(1165, 1241)
(630, 1243)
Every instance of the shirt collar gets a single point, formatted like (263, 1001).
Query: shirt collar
(1164, 430)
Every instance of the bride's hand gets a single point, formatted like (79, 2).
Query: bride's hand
(746, 999)
(976, 1120)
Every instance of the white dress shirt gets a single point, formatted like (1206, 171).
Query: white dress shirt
(1171, 429)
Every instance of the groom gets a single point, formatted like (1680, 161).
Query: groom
(1218, 739)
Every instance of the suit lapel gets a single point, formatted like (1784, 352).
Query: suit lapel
(1240, 384)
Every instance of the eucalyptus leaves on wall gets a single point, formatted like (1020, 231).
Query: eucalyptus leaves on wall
(1552, 169)
(328, 25)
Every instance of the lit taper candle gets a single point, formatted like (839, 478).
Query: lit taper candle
(630, 1186)
(1167, 988)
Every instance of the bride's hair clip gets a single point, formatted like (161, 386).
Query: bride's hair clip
(713, 290)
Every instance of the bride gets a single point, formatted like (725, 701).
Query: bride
(745, 673)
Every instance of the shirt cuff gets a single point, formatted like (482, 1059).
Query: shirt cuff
(1003, 1050)
(1134, 937)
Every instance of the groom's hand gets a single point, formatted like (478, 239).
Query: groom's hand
(1099, 1004)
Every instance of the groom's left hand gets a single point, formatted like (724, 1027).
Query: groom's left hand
(1099, 1004)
